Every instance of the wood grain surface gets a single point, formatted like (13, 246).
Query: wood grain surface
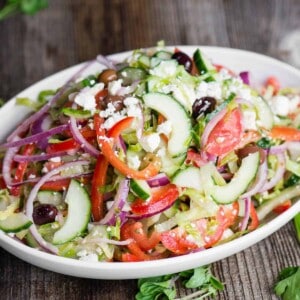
(71, 31)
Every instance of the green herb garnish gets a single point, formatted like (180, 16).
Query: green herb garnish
(163, 287)
(288, 286)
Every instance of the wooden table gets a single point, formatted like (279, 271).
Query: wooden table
(69, 32)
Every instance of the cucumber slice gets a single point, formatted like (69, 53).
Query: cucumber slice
(15, 223)
(140, 188)
(131, 74)
(202, 63)
(49, 197)
(163, 68)
(163, 55)
(189, 177)
(264, 112)
(173, 111)
(238, 185)
(144, 60)
(79, 212)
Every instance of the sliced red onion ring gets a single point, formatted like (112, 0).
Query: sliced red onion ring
(278, 174)
(119, 202)
(103, 60)
(158, 180)
(24, 126)
(278, 149)
(41, 125)
(38, 157)
(260, 181)
(6, 168)
(81, 140)
(29, 203)
(54, 178)
(35, 138)
(121, 144)
(211, 125)
(244, 222)
(245, 76)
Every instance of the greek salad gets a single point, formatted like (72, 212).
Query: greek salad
(162, 154)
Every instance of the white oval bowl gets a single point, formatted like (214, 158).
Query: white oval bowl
(260, 67)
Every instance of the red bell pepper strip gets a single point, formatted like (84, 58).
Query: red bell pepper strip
(21, 169)
(107, 142)
(274, 82)
(145, 243)
(283, 207)
(98, 181)
(254, 218)
(57, 185)
(161, 198)
(285, 133)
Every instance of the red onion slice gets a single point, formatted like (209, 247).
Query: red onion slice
(29, 203)
(6, 168)
(25, 125)
(261, 180)
(278, 149)
(158, 180)
(81, 140)
(41, 125)
(245, 76)
(103, 60)
(119, 202)
(278, 174)
(211, 125)
(244, 222)
(35, 138)
(38, 157)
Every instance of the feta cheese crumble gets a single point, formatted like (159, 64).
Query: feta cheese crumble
(150, 142)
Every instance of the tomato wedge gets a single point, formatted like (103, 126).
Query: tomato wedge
(161, 198)
(176, 241)
(98, 181)
(226, 135)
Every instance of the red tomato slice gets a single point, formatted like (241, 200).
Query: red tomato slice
(226, 135)
(161, 198)
(176, 241)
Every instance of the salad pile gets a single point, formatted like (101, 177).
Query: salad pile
(156, 156)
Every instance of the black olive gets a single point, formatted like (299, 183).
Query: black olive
(203, 106)
(44, 213)
(183, 59)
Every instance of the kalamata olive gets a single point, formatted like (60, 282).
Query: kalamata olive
(116, 101)
(183, 59)
(107, 75)
(44, 213)
(203, 106)
(251, 149)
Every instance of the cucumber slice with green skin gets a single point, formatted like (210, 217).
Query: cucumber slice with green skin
(140, 188)
(49, 197)
(79, 213)
(130, 74)
(202, 63)
(163, 55)
(173, 111)
(164, 68)
(15, 223)
(238, 185)
(189, 177)
(264, 112)
(144, 60)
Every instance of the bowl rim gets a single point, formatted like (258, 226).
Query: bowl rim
(115, 270)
